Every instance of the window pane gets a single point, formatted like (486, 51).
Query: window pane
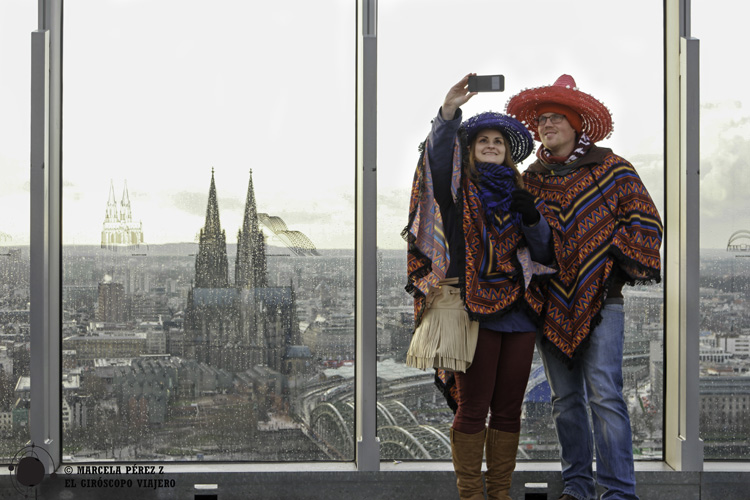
(208, 279)
(725, 234)
(417, 66)
(17, 21)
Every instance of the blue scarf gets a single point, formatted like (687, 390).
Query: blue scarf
(495, 186)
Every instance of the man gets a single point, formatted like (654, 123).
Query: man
(607, 233)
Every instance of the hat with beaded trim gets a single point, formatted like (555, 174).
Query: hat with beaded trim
(596, 120)
(521, 142)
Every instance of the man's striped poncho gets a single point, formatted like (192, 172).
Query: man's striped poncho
(605, 218)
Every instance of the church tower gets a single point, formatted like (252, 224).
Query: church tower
(247, 324)
(110, 216)
(119, 231)
(250, 269)
(126, 214)
(210, 316)
(211, 263)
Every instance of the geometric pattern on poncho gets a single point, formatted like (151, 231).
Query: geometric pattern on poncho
(427, 253)
(494, 276)
(604, 215)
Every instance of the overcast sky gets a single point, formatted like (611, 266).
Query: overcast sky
(157, 93)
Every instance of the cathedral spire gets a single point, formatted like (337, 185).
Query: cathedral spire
(213, 224)
(111, 213)
(211, 263)
(250, 266)
(125, 213)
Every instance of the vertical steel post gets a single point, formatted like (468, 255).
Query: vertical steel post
(683, 447)
(45, 275)
(367, 446)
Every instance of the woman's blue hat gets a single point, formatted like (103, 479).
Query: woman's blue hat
(521, 143)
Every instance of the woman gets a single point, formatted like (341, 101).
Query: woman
(487, 228)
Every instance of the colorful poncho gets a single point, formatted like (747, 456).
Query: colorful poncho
(605, 217)
(499, 274)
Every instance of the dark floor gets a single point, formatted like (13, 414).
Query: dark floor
(388, 484)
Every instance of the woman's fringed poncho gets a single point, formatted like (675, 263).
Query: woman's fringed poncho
(499, 275)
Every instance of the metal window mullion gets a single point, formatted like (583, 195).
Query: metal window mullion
(689, 434)
(45, 154)
(367, 453)
(683, 449)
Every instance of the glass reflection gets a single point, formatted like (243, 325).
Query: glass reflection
(415, 67)
(208, 232)
(725, 237)
(17, 20)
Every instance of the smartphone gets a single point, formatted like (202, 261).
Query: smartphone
(486, 83)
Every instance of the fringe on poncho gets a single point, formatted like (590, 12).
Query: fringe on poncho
(446, 338)
(499, 275)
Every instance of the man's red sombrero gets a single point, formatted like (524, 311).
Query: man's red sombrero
(596, 118)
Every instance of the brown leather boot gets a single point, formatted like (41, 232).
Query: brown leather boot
(467, 451)
(501, 461)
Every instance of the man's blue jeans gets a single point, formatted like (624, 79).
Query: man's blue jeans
(598, 375)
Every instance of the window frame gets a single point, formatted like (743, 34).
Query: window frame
(45, 231)
(683, 448)
(682, 445)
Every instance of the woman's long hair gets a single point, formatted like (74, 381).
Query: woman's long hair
(470, 165)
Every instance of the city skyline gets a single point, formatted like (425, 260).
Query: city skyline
(122, 231)
(159, 365)
(127, 357)
(325, 324)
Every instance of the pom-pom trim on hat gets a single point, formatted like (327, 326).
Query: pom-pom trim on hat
(596, 117)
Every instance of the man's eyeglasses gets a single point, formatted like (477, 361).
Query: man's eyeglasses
(555, 118)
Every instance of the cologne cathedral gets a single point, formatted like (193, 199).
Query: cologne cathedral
(244, 324)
